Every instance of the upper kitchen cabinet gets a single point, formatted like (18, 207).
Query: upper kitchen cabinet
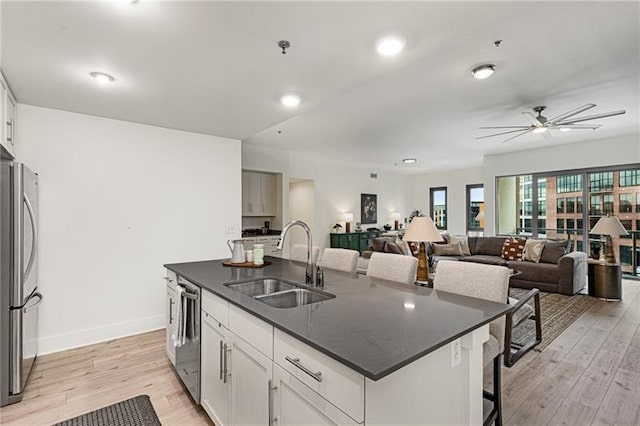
(258, 194)
(8, 117)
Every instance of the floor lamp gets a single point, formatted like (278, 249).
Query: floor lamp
(422, 230)
(610, 227)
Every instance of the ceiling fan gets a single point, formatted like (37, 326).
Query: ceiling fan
(542, 126)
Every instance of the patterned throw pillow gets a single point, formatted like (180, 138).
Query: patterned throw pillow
(513, 248)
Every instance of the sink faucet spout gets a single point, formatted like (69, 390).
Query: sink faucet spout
(307, 230)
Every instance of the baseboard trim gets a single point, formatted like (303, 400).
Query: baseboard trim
(76, 339)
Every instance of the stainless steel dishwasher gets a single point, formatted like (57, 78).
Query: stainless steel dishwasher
(188, 346)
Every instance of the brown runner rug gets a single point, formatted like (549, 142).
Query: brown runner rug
(557, 312)
(136, 411)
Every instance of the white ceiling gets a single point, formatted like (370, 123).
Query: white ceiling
(215, 68)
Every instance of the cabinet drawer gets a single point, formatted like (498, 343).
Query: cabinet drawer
(216, 307)
(337, 383)
(251, 329)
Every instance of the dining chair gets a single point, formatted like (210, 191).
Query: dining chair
(393, 267)
(486, 282)
(298, 253)
(339, 259)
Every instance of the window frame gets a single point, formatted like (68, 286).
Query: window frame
(432, 190)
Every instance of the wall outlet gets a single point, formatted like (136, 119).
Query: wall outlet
(456, 353)
(230, 229)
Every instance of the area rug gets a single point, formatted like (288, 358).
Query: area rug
(136, 411)
(557, 312)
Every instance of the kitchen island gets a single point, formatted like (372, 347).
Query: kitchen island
(378, 352)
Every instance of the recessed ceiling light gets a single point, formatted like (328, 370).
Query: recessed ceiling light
(409, 160)
(290, 100)
(539, 130)
(565, 129)
(483, 71)
(390, 45)
(102, 78)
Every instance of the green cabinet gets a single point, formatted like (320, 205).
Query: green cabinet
(352, 241)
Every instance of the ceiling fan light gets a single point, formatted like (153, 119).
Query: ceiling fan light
(540, 129)
(409, 160)
(390, 45)
(483, 71)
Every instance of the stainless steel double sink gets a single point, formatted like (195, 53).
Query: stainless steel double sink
(279, 293)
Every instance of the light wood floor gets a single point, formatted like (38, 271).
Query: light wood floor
(589, 375)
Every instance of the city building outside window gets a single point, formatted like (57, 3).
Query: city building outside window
(438, 206)
(626, 203)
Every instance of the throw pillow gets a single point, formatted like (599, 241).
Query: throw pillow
(533, 250)
(391, 247)
(445, 238)
(404, 248)
(447, 249)
(554, 250)
(512, 248)
(463, 240)
(378, 244)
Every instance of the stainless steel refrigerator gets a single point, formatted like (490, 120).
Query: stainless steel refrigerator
(19, 296)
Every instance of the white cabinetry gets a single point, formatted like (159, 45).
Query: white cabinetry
(296, 404)
(258, 194)
(170, 315)
(235, 376)
(8, 117)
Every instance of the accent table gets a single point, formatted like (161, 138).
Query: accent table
(605, 280)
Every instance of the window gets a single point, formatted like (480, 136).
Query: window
(579, 207)
(560, 205)
(571, 205)
(599, 182)
(625, 255)
(560, 226)
(630, 178)
(607, 204)
(571, 183)
(594, 205)
(638, 203)
(579, 225)
(526, 191)
(542, 188)
(475, 205)
(542, 207)
(527, 208)
(527, 225)
(626, 203)
(627, 225)
(570, 224)
(542, 226)
(438, 206)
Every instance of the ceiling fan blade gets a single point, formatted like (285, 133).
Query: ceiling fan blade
(577, 126)
(592, 117)
(546, 135)
(571, 113)
(503, 133)
(513, 137)
(505, 127)
(534, 120)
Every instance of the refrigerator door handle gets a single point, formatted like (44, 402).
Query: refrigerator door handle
(34, 226)
(38, 295)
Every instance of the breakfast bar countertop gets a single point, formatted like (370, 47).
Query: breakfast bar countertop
(372, 326)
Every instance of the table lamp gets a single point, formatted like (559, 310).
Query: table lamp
(395, 217)
(348, 218)
(610, 227)
(421, 229)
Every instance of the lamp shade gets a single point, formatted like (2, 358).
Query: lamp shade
(395, 216)
(347, 217)
(609, 225)
(422, 229)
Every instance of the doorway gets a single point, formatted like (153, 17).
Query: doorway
(302, 206)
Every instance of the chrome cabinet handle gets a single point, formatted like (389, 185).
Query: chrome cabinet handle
(272, 419)
(10, 125)
(226, 366)
(168, 279)
(221, 357)
(296, 361)
(171, 302)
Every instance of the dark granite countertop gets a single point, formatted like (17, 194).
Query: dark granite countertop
(371, 326)
(270, 233)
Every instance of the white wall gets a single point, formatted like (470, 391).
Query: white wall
(456, 182)
(302, 206)
(117, 201)
(337, 187)
(597, 153)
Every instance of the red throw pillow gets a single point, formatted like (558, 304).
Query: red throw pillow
(513, 248)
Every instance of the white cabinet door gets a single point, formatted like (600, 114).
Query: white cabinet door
(251, 374)
(215, 389)
(296, 404)
(8, 117)
(251, 203)
(170, 324)
(268, 194)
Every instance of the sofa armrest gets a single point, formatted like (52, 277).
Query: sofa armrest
(573, 272)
